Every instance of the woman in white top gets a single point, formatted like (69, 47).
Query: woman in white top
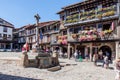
(75, 55)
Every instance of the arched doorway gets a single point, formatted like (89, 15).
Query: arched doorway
(105, 49)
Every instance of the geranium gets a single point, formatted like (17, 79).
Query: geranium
(89, 37)
(63, 37)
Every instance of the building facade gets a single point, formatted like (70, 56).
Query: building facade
(19, 35)
(47, 32)
(92, 27)
(6, 35)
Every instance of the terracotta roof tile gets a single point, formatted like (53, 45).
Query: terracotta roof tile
(41, 24)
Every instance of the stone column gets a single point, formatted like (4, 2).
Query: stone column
(91, 52)
(117, 50)
(11, 46)
(68, 51)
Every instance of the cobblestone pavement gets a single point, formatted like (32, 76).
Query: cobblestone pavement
(71, 71)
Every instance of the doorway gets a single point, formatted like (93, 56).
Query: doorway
(82, 50)
(105, 49)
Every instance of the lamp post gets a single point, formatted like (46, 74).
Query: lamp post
(37, 17)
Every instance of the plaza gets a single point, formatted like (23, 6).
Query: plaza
(85, 33)
(70, 70)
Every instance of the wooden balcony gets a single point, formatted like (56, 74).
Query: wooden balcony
(93, 15)
(98, 36)
(6, 38)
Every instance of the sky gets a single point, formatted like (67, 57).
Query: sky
(21, 12)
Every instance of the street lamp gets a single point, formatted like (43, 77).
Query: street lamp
(37, 17)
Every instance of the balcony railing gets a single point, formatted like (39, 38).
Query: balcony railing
(5, 38)
(92, 36)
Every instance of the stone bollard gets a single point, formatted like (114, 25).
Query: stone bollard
(24, 59)
(55, 60)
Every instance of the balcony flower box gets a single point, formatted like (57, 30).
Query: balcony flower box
(82, 38)
(107, 31)
(101, 34)
(76, 15)
(74, 35)
(59, 41)
(94, 37)
(89, 37)
(99, 16)
(59, 37)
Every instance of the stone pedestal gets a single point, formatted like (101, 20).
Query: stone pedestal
(44, 62)
(55, 60)
(24, 60)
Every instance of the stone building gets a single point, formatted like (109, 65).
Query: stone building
(47, 30)
(6, 35)
(92, 26)
(19, 35)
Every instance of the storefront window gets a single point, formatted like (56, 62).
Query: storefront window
(8, 46)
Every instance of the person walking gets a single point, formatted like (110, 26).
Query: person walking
(106, 62)
(95, 58)
(117, 68)
(76, 55)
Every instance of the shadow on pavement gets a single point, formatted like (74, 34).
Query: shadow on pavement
(11, 77)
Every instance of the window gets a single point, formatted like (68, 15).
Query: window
(4, 36)
(4, 29)
(0, 35)
(100, 27)
(2, 46)
(8, 46)
(9, 36)
(106, 26)
(99, 6)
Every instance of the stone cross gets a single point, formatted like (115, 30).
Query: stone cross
(37, 17)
